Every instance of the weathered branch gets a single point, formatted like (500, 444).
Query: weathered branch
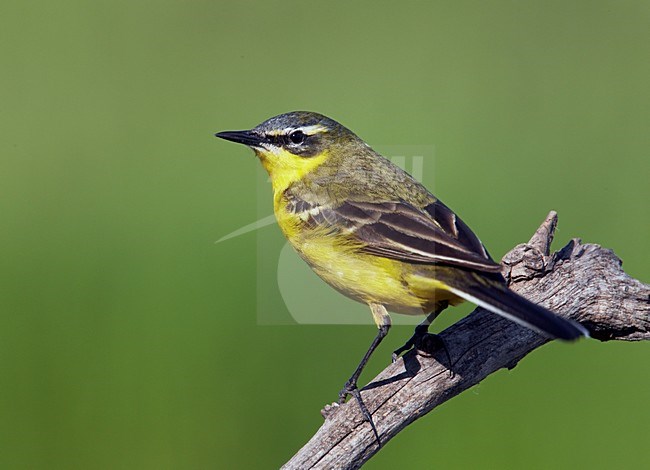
(583, 282)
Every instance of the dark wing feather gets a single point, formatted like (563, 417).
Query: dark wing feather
(432, 235)
(398, 230)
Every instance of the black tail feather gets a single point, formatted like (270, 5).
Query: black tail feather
(496, 297)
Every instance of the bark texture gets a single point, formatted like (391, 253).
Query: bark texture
(581, 281)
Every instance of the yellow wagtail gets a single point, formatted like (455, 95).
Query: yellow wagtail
(375, 234)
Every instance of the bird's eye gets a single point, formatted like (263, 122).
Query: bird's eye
(297, 137)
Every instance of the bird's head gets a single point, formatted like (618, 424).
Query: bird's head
(293, 144)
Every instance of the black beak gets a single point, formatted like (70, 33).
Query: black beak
(241, 137)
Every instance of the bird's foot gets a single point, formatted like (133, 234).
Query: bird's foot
(428, 344)
(405, 347)
(350, 388)
(425, 344)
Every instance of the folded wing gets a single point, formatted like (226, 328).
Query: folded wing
(401, 231)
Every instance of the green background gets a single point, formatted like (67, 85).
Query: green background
(129, 339)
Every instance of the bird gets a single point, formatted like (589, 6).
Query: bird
(377, 235)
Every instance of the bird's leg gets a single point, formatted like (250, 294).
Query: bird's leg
(382, 319)
(422, 340)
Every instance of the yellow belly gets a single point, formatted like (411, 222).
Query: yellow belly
(368, 278)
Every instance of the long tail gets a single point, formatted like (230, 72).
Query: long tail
(494, 295)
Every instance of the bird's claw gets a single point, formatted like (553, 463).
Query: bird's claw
(406, 347)
(348, 389)
(425, 344)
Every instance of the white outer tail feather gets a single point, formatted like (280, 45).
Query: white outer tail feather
(509, 316)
